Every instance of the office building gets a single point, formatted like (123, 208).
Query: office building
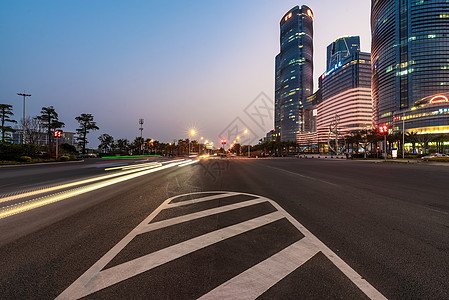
(340, 49)
(345, 94)
(410, 63)
(294, 68)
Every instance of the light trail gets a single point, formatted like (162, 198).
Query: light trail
(35, 203)
(72, 184)
(188, 163)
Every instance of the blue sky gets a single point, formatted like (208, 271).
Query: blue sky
(177, 64)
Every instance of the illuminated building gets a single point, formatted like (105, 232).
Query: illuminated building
(429, 115)
(277, 96)
(344, 91)
(410, 57)
(294, 69)
(342, 48)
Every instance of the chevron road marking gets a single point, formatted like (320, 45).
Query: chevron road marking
(249, 284)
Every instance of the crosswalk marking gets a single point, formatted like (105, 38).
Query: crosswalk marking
(255, 281)
(247, 285)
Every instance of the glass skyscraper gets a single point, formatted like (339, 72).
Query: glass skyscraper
(341, 48)
(277, 96)
(410, 57)
(295, 69)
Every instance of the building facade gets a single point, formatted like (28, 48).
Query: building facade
(340, 49)
(343, 97)
(294, 69)
(277, 95)
(410, 56)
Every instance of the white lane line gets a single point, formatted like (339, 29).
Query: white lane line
(203, 199)
(257, 280)
(90, 283)
(303, 176)
(197, 215)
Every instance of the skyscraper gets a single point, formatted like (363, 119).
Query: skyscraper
(341, 48)
(277, 96)
(410, 59)
(295, 69)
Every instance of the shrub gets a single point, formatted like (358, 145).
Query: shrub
(64, 158)
(15, 151)
(25, 159)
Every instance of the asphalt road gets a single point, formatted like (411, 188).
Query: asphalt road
(236, 229)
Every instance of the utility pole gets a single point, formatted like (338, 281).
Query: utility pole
(141, 131)
(24, 129)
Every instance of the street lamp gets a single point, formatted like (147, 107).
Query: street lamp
(249, 150)
(24, 96)
(192, 133)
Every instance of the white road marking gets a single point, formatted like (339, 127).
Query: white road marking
(248, 285)
(198, 215)
(257, 280)
(202, 199)
(303, 176)
(106, 278)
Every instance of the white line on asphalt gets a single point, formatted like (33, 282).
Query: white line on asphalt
(203, 199)
(88, 284)
(303, 176)
(257, 280)
(198, 215)
(94, 279)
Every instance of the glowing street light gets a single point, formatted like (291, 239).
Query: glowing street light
(192, 133)
(249, 146)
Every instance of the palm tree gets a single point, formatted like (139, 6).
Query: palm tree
(410, 137)
(123, 145)
(106, 142)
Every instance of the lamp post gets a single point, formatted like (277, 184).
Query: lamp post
(192, 133)
(238, 140)
(199, 145)
(141, 130)
(24, 96)
(249, 146)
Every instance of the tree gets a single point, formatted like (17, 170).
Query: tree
(50, 120)
(410, 137)
(87, 124)
(5, 113)
(33, 129)
(106, 142)
(423, 140)
(123, 145)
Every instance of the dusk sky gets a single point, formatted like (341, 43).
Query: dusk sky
(176, 64)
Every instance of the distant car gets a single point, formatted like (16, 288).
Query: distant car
(434, 155)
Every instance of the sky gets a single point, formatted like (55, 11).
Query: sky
(179, 65)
